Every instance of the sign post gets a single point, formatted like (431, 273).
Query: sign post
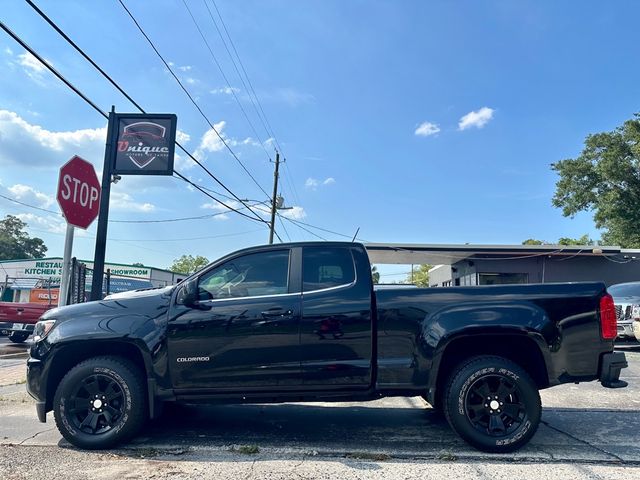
(79, 197)
(137, 144)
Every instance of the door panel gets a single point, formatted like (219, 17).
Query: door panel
(244, 343)
(336, 326)
(243, 332)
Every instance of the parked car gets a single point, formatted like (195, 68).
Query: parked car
(626, 297)
(19, 319)
(303, 322)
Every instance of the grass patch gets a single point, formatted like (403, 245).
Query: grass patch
(377, 457)
(447, 457)
(245, 449)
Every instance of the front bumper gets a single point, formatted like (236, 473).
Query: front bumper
(611, 365)
(625, 330)
(36, 387)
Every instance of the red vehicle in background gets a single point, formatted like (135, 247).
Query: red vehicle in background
(18, 319)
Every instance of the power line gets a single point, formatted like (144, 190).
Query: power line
(110, 79)
(184, 89)
(217, 63)
(265, 122)
(303, 228)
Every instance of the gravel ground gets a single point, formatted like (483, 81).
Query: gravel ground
(55, 463)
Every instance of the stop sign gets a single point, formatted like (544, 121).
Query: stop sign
(78, 192)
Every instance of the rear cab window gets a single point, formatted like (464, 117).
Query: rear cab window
(324, 268)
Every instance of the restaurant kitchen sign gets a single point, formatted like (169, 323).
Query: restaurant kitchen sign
(51, 268)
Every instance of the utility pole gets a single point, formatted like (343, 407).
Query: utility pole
(274, 199)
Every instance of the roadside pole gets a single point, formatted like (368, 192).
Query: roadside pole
(66, 264)
(274, 205)
(103, 218)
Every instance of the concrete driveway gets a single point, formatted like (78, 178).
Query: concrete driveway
(587, 432)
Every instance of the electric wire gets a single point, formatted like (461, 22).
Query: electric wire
(263, 118)
(228, 83)
(113, 82)
(184, 89)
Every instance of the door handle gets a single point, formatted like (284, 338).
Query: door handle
(277, 313)
(20, 309)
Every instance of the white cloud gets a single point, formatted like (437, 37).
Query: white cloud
(224, 91)
(210, 141)
(29, 145)
(185, 68)
(31, 63)
(478, 118)
(8, 51)
(50, 223)
(182, 137)
(124, 202)
(191, 80)
(219, 207)
(313, 183)
(426, 129)
(295, 213)
(30, 195)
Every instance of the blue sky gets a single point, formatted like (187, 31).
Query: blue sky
(428, 122)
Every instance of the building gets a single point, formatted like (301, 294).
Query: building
(38, 280)
(499, 264)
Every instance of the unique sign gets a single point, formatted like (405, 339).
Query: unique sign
(145, 144)
(78, 192)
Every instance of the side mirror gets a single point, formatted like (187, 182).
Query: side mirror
(188, 294)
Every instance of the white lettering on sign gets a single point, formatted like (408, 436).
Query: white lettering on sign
(81, 192)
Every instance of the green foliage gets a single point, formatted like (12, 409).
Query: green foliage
(137, 264)
(188, 264)
(583, 240)
(375, 274)
(15, 243)
(420, 275)
(605, 179)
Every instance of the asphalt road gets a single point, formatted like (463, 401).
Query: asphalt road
(587, 432)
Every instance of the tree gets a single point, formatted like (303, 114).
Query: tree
(375, 274)
(605, 179)
(188, 264)
(420, 276)
(15, 243)
(583, 240)
(137, 264)
(533, 241)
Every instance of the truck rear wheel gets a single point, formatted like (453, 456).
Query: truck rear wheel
(18, 337)
(493, 404)
(100, 402)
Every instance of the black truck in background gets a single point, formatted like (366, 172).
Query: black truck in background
(304, 322)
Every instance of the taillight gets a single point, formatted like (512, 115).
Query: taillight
(608, 323)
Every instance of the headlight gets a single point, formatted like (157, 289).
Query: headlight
(635, 311)
(42, 328)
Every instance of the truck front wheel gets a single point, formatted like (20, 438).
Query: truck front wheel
(493, 404)
(100, 403)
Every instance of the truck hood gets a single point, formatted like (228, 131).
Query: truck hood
(136, 303)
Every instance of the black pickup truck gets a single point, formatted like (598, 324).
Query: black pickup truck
(304, 322)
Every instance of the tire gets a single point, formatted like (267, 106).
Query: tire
(18, 337)
(100, 403)
(493, 404)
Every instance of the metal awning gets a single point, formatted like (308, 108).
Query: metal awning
(448, 254)
(25, 283)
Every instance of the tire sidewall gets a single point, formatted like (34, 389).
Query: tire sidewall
(133, 408)
(459, 388)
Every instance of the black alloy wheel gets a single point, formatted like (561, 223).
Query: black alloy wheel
(493, 404)
(100, 402)
(97, 405)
